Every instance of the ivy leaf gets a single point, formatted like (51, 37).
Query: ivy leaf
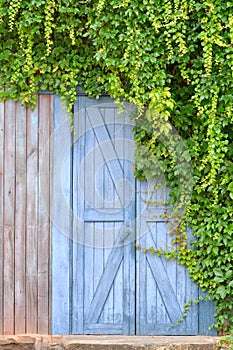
(230, 188)
(221, 291)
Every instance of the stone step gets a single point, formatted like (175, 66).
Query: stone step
(89, 342)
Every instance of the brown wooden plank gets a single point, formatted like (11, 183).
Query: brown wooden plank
(1, 210)
(31, 222)
(31, 279)
(8, 280)
(45, 114)
(9, 208)
(20, 217)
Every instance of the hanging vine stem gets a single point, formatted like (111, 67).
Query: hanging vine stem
(49, 25)
(13, 11)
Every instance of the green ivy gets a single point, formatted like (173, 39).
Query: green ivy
(225, 342)
(173, 56)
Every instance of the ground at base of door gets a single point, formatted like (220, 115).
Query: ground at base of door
(89, 342)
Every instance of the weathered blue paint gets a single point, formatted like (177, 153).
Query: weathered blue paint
(206, 311)
(102, 277)
(163, 286)
(101, 284)
(61, 274)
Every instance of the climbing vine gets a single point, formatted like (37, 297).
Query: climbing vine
(173, 56)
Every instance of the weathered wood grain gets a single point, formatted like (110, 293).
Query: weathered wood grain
(93, 287)
(60, 241)
(45, 113)
(78, 249)
(103, 277)
(32, 221)
(24, 227)
(20, 221)
(9, 222)
(206, 311)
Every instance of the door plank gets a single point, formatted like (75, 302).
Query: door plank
(77, 288)
(206, 311)
(108, 150)
(107, 313)
(104, 285)
(129, 297)
(165, 288)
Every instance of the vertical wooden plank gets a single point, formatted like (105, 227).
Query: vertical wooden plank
(118, 297)
(107, 313)
(158, 239)
(88, 272)
(8, 279)
(130, 229)
(141, 276)
(60, 241)
(113, 202)
(31, 221)
(91, 280)
(192, 292)
(192, 316)
(89, 162)
(20, 217)
(92, 176)
(2, 117)
(78, 249)
(206, 316)
(9, 208)
(60, 229)
(99, 265)
(108, 187)
(45, 114)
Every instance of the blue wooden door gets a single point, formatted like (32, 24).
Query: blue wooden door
(103, 198)
(101, 283)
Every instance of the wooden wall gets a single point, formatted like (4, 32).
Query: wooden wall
(25, 228)
(24, 217)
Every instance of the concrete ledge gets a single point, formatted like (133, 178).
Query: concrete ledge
(84, 342)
